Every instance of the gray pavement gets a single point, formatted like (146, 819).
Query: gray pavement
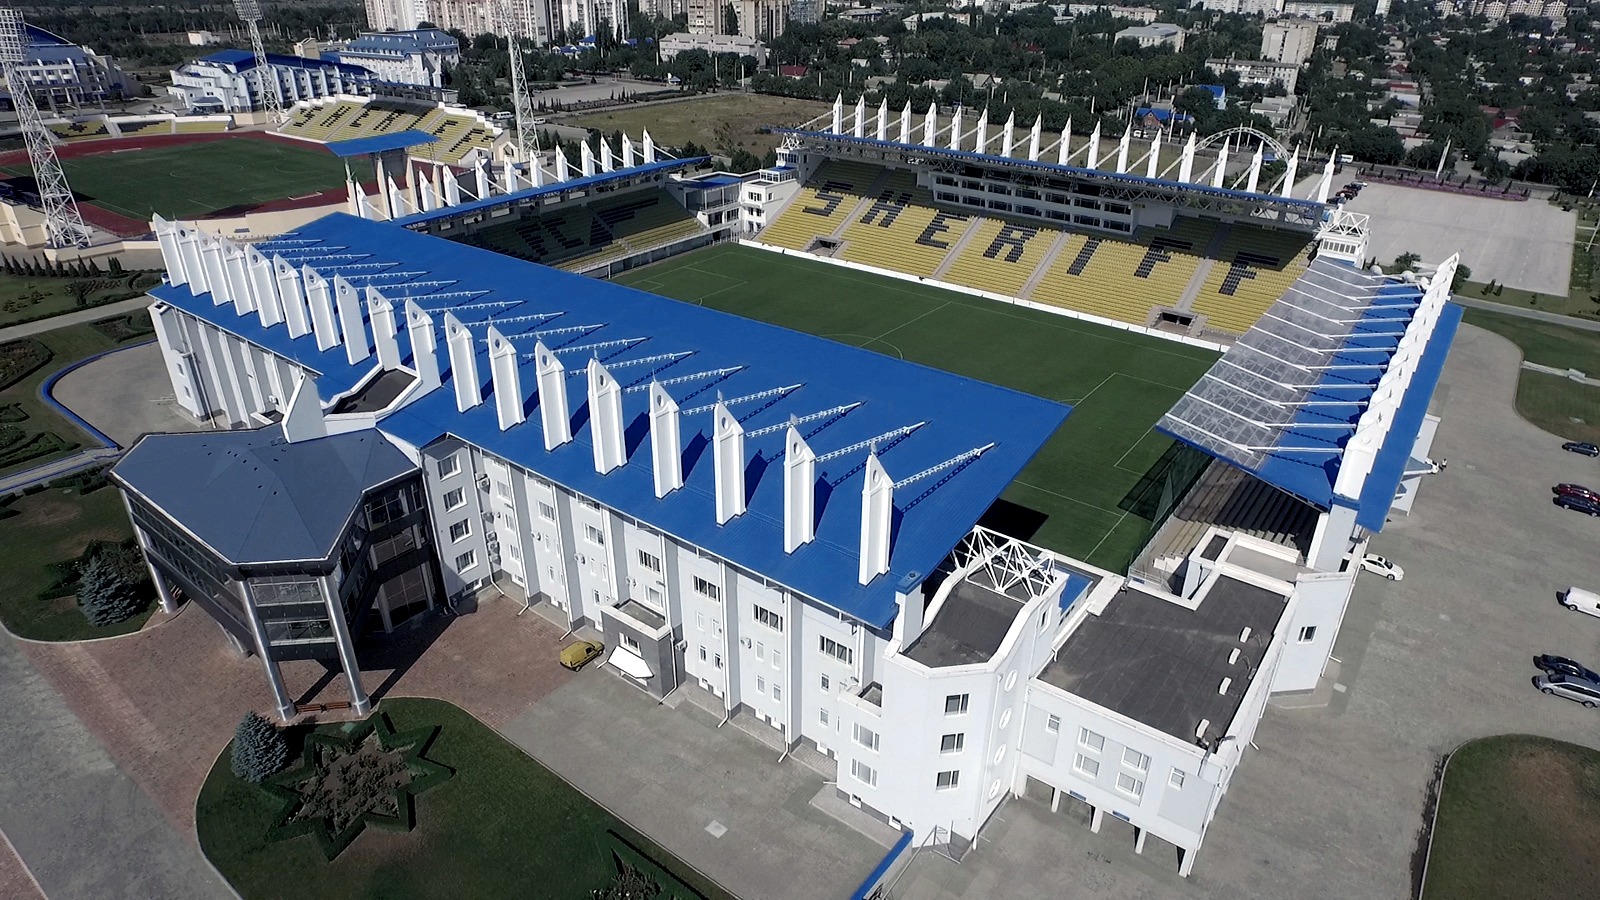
(83, 828)
(28, 329)
(1330, 802)
(672, 773)
(1507, 309)
(125, 394)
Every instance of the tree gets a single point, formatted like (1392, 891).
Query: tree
(80, 291)
(259, 749)
(730, 20)
(105, 595)
(629, 884)
(1463, 274)
(115, 266)
(1405, 261)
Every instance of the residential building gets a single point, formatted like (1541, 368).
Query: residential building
(61, 73)
(396, 15)
(673, 44)
(1288, 41)
(1245, 7)
(1258, 71)
(1326, 10)
(401, 57)
(1159, 34)
(230, 81)
(1144, 15)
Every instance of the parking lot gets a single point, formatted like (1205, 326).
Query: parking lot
(1330, 801)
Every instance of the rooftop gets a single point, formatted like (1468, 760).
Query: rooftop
(255, 498)
(1160, 663)
(245, 59)
(969, 626)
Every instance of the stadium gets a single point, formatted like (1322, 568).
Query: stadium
(982, 467)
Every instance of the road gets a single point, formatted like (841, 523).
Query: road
(95, 314)
(1506, 309)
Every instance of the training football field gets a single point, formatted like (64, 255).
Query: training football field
(190, 180)
(1094, 485)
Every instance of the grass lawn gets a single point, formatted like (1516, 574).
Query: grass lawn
(1091, 483)
(1556, 404)
(47, 528)
(26, 299)
(675, 124)
(1516, 814)
(1544, 343)
(1578, 304)
(503, 826)
(197, 179)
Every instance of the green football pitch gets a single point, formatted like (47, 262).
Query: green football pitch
(1095, 485)
(198, 179)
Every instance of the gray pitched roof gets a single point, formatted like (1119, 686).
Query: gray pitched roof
(255, 498)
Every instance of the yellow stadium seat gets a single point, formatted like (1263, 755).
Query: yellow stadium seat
(893, 231)
(823, 204)
(1255, 267)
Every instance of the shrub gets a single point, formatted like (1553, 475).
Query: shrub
(105, 594)
(629, 884)
(260, 750)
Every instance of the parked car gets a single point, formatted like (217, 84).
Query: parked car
(576, 656)
(1576, 490)
(1380, 566)
(1578, 689)
(1560, 665)
(1584, 447)
(1580, 600)
(1578, 504)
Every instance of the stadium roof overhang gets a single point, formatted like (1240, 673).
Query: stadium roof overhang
(949, 444)
(1287, 211)
(380, 143)
(1325, 395)
(536, 195)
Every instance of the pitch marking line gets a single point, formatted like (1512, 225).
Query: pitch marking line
(1136, 443)
(1041, 490)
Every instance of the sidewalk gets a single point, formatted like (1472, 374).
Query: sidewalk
(1509, 310)
(95, 314)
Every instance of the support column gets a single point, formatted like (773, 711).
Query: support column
(1186, 864)
(1138, 839)
(274, 676)
(1096, 819)
(359, 702)
(163, 592)
(1055, 799)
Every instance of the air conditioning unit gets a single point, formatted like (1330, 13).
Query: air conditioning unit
(488, 518)
(483, 483)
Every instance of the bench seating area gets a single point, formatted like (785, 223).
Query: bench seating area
(823, 204)
(577, 238)
(1254, 269)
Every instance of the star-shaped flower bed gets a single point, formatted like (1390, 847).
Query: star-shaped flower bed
(344, 783)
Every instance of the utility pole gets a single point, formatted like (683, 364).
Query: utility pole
(520, 103)
(271, 100)
(62, 221)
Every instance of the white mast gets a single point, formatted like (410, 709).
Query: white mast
(271, 100)
(62, 221)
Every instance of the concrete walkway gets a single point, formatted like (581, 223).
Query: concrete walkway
(29, 329)
(1538, 315)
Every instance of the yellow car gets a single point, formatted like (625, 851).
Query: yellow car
(576, 656)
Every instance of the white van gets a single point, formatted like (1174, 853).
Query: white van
(1581, 600)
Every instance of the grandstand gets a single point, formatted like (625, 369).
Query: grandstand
(581, 237)
(87, 130)
(342, 119)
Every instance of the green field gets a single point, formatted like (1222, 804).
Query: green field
(198, 179)
(1092, 482)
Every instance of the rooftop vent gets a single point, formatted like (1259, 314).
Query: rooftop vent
(1200, 730)
(1234, 656)
(1223, 687)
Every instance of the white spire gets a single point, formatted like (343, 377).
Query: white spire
(506, 379)
(463, 363)
(799, 491)
(877, 519)
(320, 301)
(294, 302)
(727, 443)
(605, 419)
(553, 412)
(424, 347)
(383, 330)
(666, 450)
(348, 305)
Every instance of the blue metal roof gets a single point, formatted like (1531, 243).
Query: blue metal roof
(255, 498)
(767, 374)
(1310, 207)
(586, 181)
(380, 143)
(245, 59)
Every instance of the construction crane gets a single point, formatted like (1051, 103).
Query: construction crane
(520, 101)
(271, 100)
(63, 222)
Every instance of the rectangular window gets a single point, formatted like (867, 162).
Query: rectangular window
(777, 660)
(777, 691)
(1175, 780)
(953, 743)
(833, 648)
(702, 653)
(947, 781)
(455, 498)
(761, 685)
(822, 716)
(449, 466)
(459, 530)
(956, 704)
(1308, 634)
(650, 561)
(761, 650)
(466, 560)
(866, 737)
(546, 511)
(824, 682)
(1135, 760)
(769, 618)
(863, 773)
(1086, 766)
(631, 642)
(700, 621)
(706, 588)
(1089, 739)
(1053, 724)
(716, 660)
(594, 535)
(1130, 785)
(502, 489)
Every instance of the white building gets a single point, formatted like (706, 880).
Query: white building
(1141, 14)
(678, 42)
(1258, 71)
(1245, 7)
(230, 81)
(61, 73)
(396, 15)
(1288, 41)
(1326, 10)
(1159, 34)
(401, 57)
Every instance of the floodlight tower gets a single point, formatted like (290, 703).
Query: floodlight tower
(271, 101)
(63, 222)
(520, 102)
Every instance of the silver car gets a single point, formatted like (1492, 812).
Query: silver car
(1585, 692)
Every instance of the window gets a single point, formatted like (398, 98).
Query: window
(546, 511)
(631, 642)
(1092, 741)
(702, 653)
(833, 648)
(455, 498)
(1308, 634)
(953, 743)
(1053, 724)
(1175, 780)
(761, 650)
(650, 561)
(947, 781)
(777, 660)
(700, 621)
(822, 716)
(594, 535)
(449, 466)
(459, 530)
(956, 704)
(1135, 760)
(824, 682)
(1044, 618)
(1130, 785)
(466, 560)
(863, 773)
(716, 660)
(777, 691)
(1086, 766)
(706, 588)
(761, 685)
(502, 489)
(866, 737)
(769, 618)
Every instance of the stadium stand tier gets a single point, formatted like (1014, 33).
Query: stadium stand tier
(579, 237)
(81, 131)
(879, 216)
(458, 133)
